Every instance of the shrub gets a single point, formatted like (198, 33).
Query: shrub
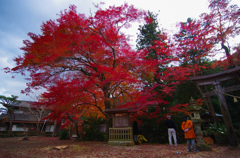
(157, 132)
(219, 128)
(218, 133)
(92, 128)
(64, 135)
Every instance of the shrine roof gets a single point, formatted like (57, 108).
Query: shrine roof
(234, 70)
(206, 114)
(119, 110)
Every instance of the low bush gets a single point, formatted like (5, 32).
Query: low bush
(157, 132)
(92, 128)
(64, 135)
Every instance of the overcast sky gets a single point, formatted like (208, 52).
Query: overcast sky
(18, 17)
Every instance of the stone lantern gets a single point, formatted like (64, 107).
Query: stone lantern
(197, 121)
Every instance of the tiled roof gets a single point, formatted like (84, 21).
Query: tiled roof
(23, 117)
(22, 104)
(26, 114)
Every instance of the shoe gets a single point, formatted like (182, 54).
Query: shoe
(170, 145)
(176, 145)
(196, 151)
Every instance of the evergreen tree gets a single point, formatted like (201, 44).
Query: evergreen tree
(7, 102)
(147, 39)
(148, 34)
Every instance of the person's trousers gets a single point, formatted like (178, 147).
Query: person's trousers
(172, 133)
(191, 141)
(135, 137)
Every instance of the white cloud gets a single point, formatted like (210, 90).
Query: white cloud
(2, 90)
(4, 63)
(9, 40)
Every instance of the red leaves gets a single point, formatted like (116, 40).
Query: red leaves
(199, 101)
(148, 19)
(82, 62)
(224, 21)
(7, 69)
(87, 65)
(179, 108)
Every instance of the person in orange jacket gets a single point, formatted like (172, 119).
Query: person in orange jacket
(187, 127)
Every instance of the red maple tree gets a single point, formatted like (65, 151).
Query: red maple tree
(224, 20)
(86, 65)
(83, 61)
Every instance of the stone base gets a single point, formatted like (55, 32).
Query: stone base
(204, 147)
(121, 143)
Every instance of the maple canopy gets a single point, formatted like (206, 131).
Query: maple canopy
(86, 63)
(223, 19)
(83, 61)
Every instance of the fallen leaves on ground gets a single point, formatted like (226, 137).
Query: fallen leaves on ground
(39, 147)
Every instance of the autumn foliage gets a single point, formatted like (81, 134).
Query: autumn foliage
(86, 64)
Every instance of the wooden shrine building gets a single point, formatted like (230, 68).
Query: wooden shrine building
(216, 80)
(121, 132)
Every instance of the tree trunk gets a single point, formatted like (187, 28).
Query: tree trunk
(107, 106)
(54, 129)
(76, 127)
(75, 124)
(38, 127)
(229, 58)
(11, 121)
(81, 135)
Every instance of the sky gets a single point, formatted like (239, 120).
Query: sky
(19, 17)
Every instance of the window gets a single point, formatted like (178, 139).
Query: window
(49, 128)
(18, 128)
(18, 112)
(3, 128)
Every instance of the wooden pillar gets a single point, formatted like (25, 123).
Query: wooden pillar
(199, 89)
(226, 115)
(211, 107)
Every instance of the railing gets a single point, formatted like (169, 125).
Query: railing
(121, 134)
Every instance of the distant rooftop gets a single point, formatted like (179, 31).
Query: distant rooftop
(22, 104)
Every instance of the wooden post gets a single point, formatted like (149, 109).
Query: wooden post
(211, 107)
(226, 116)
(199, 89)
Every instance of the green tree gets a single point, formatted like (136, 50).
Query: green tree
(149, 39)
(148, 34)
(92, 128)
(7, 102)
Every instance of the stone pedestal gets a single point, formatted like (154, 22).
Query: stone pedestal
(198, 132)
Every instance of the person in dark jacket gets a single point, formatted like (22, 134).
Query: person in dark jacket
(135, 132)
(171, 130)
